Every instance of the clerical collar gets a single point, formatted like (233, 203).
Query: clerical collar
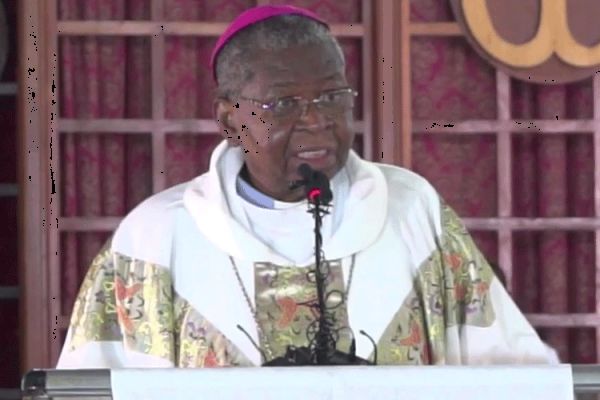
(257, 198)
(252, 195)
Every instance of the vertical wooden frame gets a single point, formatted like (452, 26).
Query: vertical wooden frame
(596, 141)
(367, 44)
(504, 166)
(37, 179)
(403, 148)
(158, 100)
(52, 88)
(387, 81)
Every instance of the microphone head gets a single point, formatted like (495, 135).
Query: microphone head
(316, 184)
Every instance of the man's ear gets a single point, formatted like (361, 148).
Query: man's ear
(224, 117)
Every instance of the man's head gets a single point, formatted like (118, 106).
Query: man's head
(268, 73)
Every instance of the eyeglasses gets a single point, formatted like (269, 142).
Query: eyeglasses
(330, 102)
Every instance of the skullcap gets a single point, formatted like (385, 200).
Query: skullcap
(251, 17)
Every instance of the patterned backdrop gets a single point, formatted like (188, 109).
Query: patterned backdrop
(554, 272)
(110, 77)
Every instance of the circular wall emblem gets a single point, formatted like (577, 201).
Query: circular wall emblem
(542, 41)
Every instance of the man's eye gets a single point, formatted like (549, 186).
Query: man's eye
(332, 97)
(285, 103)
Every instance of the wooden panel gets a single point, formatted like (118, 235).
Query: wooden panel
(404, 146)
(158, 65)
(596, 127)
(146, 126)
(504, 146)
(84, 224)
(9, 189)
(504, 165)
(150, 28)
(564, 320)
(368, 44)
(8, 88)
(435, 29)
(536, 126)
(158, 161)
(63, 321)
(89, 224)
(388, 112)
(51, 97)
(596, 97)
(532, 224)
(33, 173)
(130, 126)
(158, 101)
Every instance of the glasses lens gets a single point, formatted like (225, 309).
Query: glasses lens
(336, 101)
(332, 102)
(286, 106)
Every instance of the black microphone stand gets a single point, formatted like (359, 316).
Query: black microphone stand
(322, 348)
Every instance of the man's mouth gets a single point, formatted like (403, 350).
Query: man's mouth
(308, 155)
(320, 159)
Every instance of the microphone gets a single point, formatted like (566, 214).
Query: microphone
(322, 332)
(316, 184)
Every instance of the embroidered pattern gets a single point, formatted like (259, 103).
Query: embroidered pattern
(94, 316)
(286, 304)
(144, 298)
(122, 299)
(451, 288)
(200, 344)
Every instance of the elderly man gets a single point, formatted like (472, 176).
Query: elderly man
(195, 274)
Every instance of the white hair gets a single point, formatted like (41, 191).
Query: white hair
(277, 33)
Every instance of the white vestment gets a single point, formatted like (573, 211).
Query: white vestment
(164, 291)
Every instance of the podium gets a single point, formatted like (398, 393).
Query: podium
(271, 383)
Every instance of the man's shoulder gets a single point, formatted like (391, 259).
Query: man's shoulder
(157, 209)
(403, 183)
(146, 232)
(413, 209)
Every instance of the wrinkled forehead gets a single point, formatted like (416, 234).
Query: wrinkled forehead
(298, 66)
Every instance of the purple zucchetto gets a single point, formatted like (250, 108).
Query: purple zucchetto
(252, 16)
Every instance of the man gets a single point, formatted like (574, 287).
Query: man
(196, 274)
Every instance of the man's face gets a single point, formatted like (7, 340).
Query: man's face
(272, 145)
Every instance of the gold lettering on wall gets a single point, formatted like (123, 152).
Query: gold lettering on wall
(552, 37)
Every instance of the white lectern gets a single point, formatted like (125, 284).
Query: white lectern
(489, 382)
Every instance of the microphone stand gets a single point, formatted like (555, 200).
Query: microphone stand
(324, 345)
(322, 348)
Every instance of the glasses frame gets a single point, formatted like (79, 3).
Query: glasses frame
(304, 103)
